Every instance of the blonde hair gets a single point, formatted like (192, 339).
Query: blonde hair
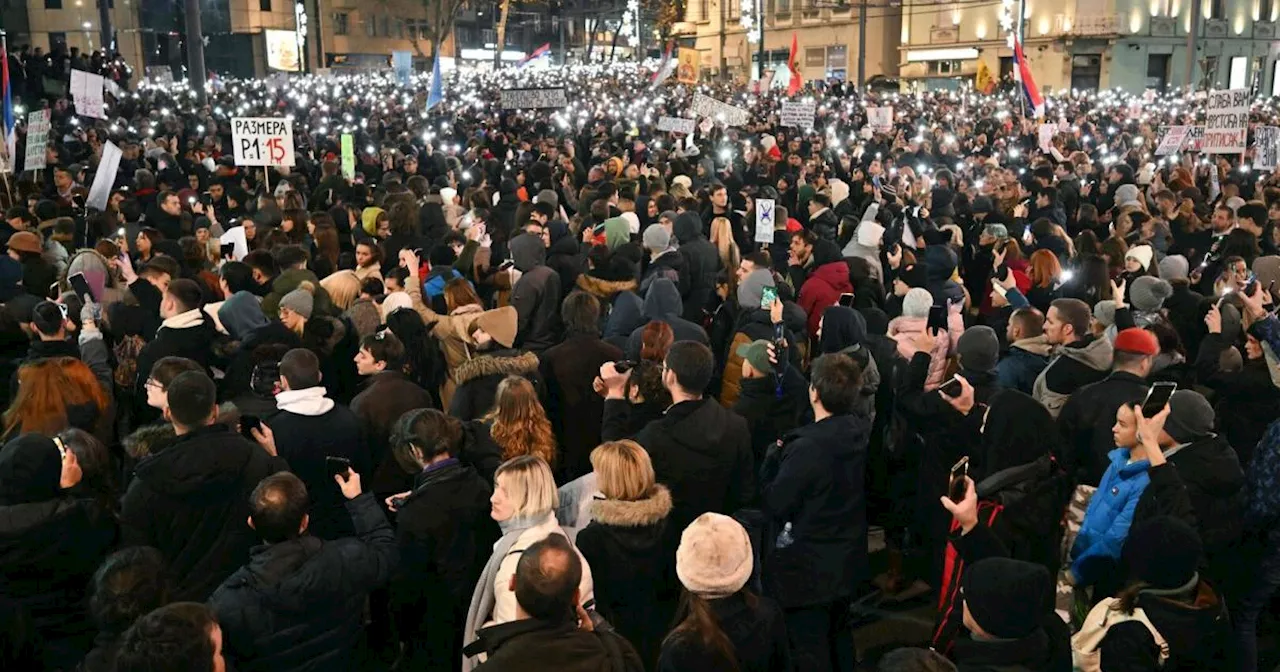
(623, 470)
(726, 247)
(529, 484)
(343, 288)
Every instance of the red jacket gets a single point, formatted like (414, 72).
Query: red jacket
(823, 289)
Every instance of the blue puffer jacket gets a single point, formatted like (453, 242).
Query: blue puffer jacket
(1106, 522)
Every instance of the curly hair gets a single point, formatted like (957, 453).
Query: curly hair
(519, 425)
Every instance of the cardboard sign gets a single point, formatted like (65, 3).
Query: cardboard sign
(37, 139)
(1266, 147)
(348, 156)
(764, 220)
(676, 125)
(1226, 125)
(880, 119)
(1172, 140)
(105, 178)
(532, 99)
(86, 93)
(724, 113)
(262, 141)
(797, 114)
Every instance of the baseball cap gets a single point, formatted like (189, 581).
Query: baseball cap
(757, 353)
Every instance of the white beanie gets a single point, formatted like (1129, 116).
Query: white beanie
(917, 303)
(839, 192)
(447, 194)
(1141, 254)
(683, 179)
(394, 301)
(714, 558)
(870, 233)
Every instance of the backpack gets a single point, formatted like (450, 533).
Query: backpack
(1085, 655)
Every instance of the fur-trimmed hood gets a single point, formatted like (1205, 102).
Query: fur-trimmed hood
(505, 362)
(643, 512)
(149, 440)
(603, 289)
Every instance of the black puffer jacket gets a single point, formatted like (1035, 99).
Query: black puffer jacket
(298, 604)
(703, 262)
(1215, 483)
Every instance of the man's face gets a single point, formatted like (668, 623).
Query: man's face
(538, 217)
(1056, 331)
(216, 192)
(1166, 205)
(171, 205)
(720, 198)
(62, 179)
(1221, 220)
(366, 365)
(800, 248)
(411, 166)
(193, 181)
(392, 284)
(17, 224)
(745, 268)
(1042, 201)
(157, 398)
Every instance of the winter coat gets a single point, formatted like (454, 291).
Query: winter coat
(478, 380)
(1193, 622)
(536, 298)
(824, 224)
(823, 289)
(771, 415)
(1086, 420)
(1215, 484)
(627, 546)
(1246, 400)
(610, 293)
(814, 483)
(1071, 367)
(382, 400)
(309, 427)
(703, 262)
(243, 361)
(190, 334)
(531, 645)
(569, 371)
(298, 604)
(565, 258)
(904, 329)
(670, 265)
(751, 324)
(504, 599)
(662, 303)
(701, 451)
(756, 628)
(191, 501)
(1108, 519)
(1019, 367)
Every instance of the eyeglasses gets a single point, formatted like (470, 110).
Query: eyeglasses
(153, 383)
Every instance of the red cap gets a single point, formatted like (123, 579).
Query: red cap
(1137, 341)
(793, 225)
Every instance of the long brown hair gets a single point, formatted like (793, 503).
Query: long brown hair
(519, 423)
(458, 293)
(326, 240)
(655, 340)
(1045, 268)
(46, 388)
(695, 619)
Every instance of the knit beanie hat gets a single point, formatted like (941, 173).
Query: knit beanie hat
(1127, 194)
(241, 314)
(979, 349)
(1190, 416)
(301, 300)
(1137, 341)
(1143, 254)
(1006, 598)
(714, 558)
(916, 275)
(751, 290)
(1105, 312)
(549, 197)
(1148, 294)
(395, 301)
(657, 238)
(1162, 552)
(917, 303)
(369, 220)
(30, 470)
(669, 215)
(1176, 267)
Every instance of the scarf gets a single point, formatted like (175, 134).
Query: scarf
(308, 401)
(482, 598)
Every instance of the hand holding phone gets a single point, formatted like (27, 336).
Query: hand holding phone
(768, 295)
(1157, 398)
(337, 466)
(957, 486)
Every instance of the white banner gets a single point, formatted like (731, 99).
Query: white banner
(880, 119)
(37, 139)
(797, 114)
(530, 99)
(1266, 147)
(86, 93)
(1173, 140)
(262, 141)
(282, 50)
(677, 125)
(764, 220)
(1047, 131)
(724, 113)
(1195, 139)
(1226, 125)
(105, 178)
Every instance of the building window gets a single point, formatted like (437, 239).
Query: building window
(945, 68)
(704, 10)
(1266, 9)
(264, 5)
(1275, 78)
(1216, 9)
(341, 23)
(784, 6)
(53, 4)
(815, 57)
(56, 40)
(371, 26)
(1235, 77)
(1157, 71)
(386, 25)
(399, 28)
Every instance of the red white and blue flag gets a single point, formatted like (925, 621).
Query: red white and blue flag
(544, 50)
(1034, 99)
(6, 104)
(667, 67)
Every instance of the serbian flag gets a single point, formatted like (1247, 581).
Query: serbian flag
(667, 67)
(537, 53)
(1028, 83)
(6, 103)
(793, 64)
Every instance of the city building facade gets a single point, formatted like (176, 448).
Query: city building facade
(71, 23)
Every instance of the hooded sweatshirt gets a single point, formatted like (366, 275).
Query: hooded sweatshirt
(703, 262)
(536, 295)
(662, 303)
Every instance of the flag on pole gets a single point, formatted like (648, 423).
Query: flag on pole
(984, 82)
(1034, 99)
(436, 95)
(793, 64)
(544, 50)
(6, 104)
(667, 66)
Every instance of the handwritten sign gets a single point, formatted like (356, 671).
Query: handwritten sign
(1226, 124)
(1266, 147)
(86, 93)
(797, 114)
(880, 119)
(764, 220)
(262, 141)
(532, 99)
(1195, 139)
(1171, 142)
(676, 125)
(1047, 131)
(37, 139)
(724, 113)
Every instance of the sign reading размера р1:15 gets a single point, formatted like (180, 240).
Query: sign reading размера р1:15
(262, 141)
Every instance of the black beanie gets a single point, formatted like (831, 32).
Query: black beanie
(30, 470)
(1162, 552)
(1007, 598)
(914, 276)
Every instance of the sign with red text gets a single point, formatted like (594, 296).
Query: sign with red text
(1226, 125)
(262, 141)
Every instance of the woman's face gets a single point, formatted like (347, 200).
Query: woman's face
(250, 229)
(144, 244)
(193, 181)
(1252, 348)
(290, 319)
(502, 507)
(1132, 265)
(652, 209)
(384, 228)
(202, 235)
(286, 226)
(364, 255)
(1125, 431)
(311, 228)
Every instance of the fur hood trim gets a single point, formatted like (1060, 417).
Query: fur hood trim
(149, 440)
(648, 511)
(605, 289)
(488, 365)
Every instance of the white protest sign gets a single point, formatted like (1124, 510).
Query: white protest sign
(797, 114)
(880, 119)
(105, 178)
(1047, 131)
(1195, 139)
(1266, 147)
(532, 99)
(86, 93)
(262, 141)
(1173, 140)
(724, 113)
(677, 125)
(764, 220)
(236, 237)
(37, 139)
(1226, 123)
(160, 74)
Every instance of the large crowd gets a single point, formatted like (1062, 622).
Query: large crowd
(549, 390)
